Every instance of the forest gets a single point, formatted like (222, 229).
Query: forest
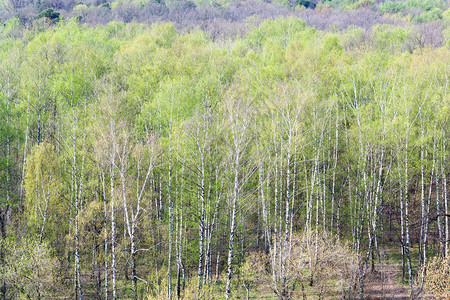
(224, 149)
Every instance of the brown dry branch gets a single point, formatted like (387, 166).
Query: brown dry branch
(437, 280)
(327, 266)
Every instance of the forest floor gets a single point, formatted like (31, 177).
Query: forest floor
(385, 283)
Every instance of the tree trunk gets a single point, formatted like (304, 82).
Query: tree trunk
(444, 181)
(113, 226)
(232, 225)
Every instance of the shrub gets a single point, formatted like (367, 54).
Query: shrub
(437, 280)
(431, 15)
(306, 3)
(314, 260)
(29, 270)
(424, 10)
(426, 5)
(393, 39)
(49, 14)
(392, 7)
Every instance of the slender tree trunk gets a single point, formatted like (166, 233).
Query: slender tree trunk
(407, 244)
(427, 217)
(294, 191)
(178, 234)
(77, 191)
(232, 225)
(335, 156)
(113, 223)
(217, 268)
(239, 141)
(275, 229)
(213, 224)
(169, 262)
(422, 193)
(105, 220)
(444, 181)
(8, 146)
(133, 261)
(180, 266)
(39, 109)
(127, 227)
(402, 223)
(25, 147)
(438, 209)
(287, 220)
(169, 195)
(201, 225)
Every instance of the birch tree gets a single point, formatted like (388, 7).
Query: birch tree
(237, 113)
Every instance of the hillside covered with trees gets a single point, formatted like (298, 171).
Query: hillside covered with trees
(223, 149)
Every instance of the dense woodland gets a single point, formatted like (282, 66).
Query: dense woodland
(158, 150)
